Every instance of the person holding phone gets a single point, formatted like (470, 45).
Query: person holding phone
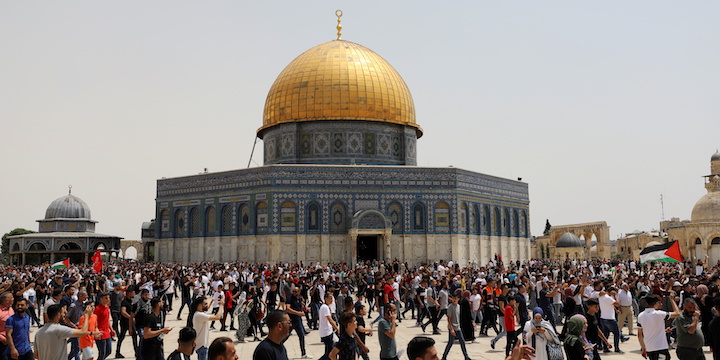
(538, 333)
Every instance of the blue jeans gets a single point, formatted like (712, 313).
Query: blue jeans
(104, 348)
(74, 349)
(451, 341)
(202, 353)
(502, 326)
(329, 344)
(611, 326)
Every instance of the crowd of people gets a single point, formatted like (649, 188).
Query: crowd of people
(666, 305)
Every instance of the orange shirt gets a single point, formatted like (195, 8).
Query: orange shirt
(88, 340)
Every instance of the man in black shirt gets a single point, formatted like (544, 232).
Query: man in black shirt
(294, 307)
(186, 285)
(593, 332)
(127, 318)
(186, 344)
(272, 348)
(142, 309)
(153, 332)
(522, 309)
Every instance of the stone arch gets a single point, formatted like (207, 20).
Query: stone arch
(131, 253)
(35, 246)
(714, 248)
(599, 230)
(69, 245)
(370, 219)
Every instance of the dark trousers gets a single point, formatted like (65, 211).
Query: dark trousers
(611, 326)
(74, 349)
(104, 348)
(300, 331)
(655, 355)
(3, 349)
(511, 340)
(26, 356)
(115, 321)
(184, 301)
(329, 344)
(433, 318)
(686, 353)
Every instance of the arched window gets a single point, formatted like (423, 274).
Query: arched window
(506, 222)
(473, 217)
(226, 218)
(395, 213)
(486, 221)
(418, 217)
(41, 247)
(210, 221)
(698, 241)
(288, 219)
(194, 222)
(715, 241)
(313, 217)
(244, 214)
(261, 220)
(523, 224)
(462, 218)
(497, 229)
(180, 223)
(165, 224)
(337, 218)
(515, 224)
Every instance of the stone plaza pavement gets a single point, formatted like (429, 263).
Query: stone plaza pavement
(406, 330)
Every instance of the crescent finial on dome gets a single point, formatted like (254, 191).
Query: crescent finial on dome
(339, 14)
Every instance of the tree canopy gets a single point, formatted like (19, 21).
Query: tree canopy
(4, 246)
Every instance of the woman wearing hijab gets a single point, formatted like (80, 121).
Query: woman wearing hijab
(538, 333)
(574, 344)
(466, 321)
(569, 309)
(705, 307)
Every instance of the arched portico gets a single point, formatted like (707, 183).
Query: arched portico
(370, 233)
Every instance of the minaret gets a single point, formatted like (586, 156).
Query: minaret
(713, 180)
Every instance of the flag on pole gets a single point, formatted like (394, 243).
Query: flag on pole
(97, 261)
(62, 264)
(668, 252)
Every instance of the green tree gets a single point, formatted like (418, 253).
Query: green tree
(5, 244)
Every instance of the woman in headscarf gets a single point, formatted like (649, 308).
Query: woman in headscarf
(466, 323)
(574, 344)
(538, 333)
(569, 309)
(241, 312)
(705, 307)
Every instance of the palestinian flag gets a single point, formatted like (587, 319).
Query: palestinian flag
(668, 252)
(62, 264)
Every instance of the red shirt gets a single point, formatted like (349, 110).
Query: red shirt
(229, 301)
(103, 320)
(389, 291)
(509, 318)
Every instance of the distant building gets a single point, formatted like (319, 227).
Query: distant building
(699, 237)
(67, 231)
(340, 181)
(630, 245)
(575, 241)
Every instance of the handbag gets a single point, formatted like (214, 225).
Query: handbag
(554, 351)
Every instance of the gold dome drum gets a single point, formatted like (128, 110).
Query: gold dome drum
(339, 80)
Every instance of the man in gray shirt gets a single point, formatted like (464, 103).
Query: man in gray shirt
(443, 296)
(386, 334)
(690, 337)
(454, 332)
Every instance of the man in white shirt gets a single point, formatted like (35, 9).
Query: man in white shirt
(200, 322)
(625, 300)
(327, 326)
(607, 317)
(651, 331)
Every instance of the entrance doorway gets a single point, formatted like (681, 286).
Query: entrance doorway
(367, 247)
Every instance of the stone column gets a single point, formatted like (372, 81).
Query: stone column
(387, 235)
(352, 242)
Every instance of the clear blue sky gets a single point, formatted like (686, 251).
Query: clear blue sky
(600, 106)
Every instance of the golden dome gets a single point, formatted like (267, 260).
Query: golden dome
(339, 80)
